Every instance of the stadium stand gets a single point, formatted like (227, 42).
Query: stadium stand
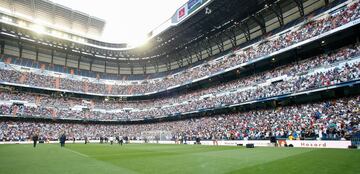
(253, 106)
(338, 67)
(335, 120)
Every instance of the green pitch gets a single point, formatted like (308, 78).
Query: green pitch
(104, 158)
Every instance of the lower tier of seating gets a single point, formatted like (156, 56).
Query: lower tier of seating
(328, 120)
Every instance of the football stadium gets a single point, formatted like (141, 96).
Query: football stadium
(219, 86)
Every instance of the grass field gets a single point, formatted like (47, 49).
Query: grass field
(104, 158)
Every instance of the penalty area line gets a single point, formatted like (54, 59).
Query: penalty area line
(78, 153)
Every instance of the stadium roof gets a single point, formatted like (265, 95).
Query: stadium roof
(212, 19)
(54, 15)
(127, 21)
(196, 31)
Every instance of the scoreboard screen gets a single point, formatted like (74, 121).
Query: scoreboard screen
(187, 9)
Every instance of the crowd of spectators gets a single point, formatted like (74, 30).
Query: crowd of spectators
(304, 32)
(298, 83)
(336, 120)
(298, 79)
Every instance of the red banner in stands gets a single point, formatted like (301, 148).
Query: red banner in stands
(53, 112)
(57, 83)
(22, 78)
(15, 109)
(86, 86)
(130, 89)
(8, 60)
(38, 100)
(109, 88)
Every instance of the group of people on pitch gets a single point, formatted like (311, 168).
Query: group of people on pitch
(120, 140)
(62, 139)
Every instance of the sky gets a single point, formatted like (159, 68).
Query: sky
(127, 21)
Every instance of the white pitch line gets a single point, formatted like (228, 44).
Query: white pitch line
(83, 155)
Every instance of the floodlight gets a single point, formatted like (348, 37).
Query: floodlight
(38, 28)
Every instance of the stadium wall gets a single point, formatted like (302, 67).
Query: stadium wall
(266, 143)
(257, 143)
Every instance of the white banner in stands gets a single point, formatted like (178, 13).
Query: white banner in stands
(259, 143)
(151, 142)
(319, 144)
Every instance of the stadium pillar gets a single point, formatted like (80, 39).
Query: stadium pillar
(219, 43)
(207, 46)
(118, 66)
(245, 29)
(232, 36)
(277, 10)
(326, 2)
(20, 49)
(66, 58)
(259, 19)
(105, 66)
(79, 60)
(300, 5)
(144, 68)
(2, 47)
(52, 56)
(37, 54)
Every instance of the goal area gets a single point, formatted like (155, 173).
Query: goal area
(157, 135)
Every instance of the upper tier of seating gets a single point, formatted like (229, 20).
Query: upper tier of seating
(44, 79)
